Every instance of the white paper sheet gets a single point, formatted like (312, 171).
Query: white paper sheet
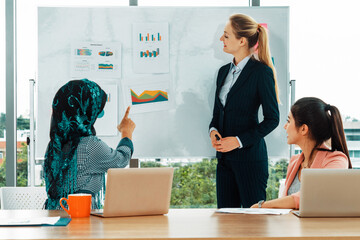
(150, 96)
(271, 211)
(151, 47)
(96, 60)
(29, 221)
(106, 124)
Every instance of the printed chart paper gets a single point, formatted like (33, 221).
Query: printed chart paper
(107, 121)
(96, 60)
(150, 47)
(149, 97)
(269, 211)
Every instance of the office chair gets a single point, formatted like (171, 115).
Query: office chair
(22, 197)
(281, 187)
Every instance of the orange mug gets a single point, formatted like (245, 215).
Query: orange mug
(79, 205)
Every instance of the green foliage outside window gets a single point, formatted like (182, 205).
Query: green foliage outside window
(194, 185)
(2, 124)
(276, 172)
(2, 174)
(21, 124)
(21, 168)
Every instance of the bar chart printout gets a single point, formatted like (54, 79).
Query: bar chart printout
(95, 60)
(148, 53)
(146, 37)
(151, 47)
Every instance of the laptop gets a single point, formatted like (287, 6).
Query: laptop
(137, 192)
(329, 193)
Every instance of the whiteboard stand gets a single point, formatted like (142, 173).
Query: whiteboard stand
(254, 3)
(31, 144)
(292, 101)
(134, 163)
(133, 2)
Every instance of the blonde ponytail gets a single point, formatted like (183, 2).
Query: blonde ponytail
(264, 55)
(246, 26)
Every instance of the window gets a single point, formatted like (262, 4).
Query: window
(311, 39)
(188, 3)
(81, 3)
(194, 181)
(2, 94)
(316, 61)
(354, 153)
(313, 36)
(27, 68)
(202, 197)
(352, 131)
(353, 138)
(265, 3)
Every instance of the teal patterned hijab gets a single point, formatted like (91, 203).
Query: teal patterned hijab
(76, 107)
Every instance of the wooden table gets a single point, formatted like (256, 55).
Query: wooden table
(185, 224)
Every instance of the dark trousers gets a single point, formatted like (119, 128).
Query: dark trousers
(240, 183)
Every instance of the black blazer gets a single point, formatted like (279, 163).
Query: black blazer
(239, 117)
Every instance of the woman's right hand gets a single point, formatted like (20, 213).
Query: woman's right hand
(214, 142)
(126, 126)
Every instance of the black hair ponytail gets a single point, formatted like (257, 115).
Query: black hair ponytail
(338, 141)
(324, 122)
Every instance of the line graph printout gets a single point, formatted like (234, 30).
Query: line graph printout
(149, 97)
(150, 47)
(96, 60)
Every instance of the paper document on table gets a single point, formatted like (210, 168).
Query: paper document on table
(271, 211)
(29, 221)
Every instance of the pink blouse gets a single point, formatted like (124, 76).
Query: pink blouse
(323, 159)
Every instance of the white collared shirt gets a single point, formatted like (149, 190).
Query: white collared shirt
(231, 78)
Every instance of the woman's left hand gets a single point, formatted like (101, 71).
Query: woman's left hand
(255, 206)
(227, 144)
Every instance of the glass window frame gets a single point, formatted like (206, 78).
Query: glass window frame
(10, 69)
(3, 93)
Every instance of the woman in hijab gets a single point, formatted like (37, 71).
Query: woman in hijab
(76, 160)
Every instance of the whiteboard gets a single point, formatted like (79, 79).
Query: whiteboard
(195, 55)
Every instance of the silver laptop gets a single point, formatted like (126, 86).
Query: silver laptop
(329, 193)
(137, 191)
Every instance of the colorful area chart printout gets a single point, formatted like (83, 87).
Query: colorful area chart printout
(148, 97)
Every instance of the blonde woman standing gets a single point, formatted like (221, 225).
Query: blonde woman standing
(242, 86)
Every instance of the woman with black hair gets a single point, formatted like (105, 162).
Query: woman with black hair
(311, 123)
